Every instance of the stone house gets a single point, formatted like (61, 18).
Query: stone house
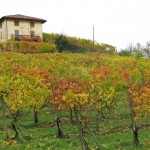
(20, 27)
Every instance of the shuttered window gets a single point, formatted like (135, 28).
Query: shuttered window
(16, 23)
(32, 33)
(16, 32)
(32, 24)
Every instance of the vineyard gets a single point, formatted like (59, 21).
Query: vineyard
(74, 101)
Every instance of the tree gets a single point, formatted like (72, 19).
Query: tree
(61, 41)
(146, 50)
(125, 53)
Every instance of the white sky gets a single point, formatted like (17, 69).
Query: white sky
(116, 22)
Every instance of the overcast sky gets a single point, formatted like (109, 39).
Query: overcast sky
(116, 22)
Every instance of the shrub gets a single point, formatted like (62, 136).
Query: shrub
(45, 48)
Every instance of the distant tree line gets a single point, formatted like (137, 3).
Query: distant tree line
(136, 50)
(77, 45)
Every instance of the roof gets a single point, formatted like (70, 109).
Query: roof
(22, 17)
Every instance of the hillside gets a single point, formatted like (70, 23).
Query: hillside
(77, 45)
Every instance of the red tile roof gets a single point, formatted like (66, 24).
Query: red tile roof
(22, 17)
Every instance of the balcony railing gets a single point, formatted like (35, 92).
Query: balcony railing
(26, 37)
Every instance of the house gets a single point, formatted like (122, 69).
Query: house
(20, 27)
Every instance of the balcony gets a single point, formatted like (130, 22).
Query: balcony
(26, 38)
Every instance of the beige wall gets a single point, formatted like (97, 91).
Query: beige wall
(3, 31)
(8, 28)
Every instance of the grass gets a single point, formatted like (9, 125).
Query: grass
(115, 132)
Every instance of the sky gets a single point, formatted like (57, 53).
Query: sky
(116, 22)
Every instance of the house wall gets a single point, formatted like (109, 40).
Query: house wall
(8, 28)
(3, 31)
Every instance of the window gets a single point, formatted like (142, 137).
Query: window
(16, 34)
(16, 23)
(32, 33)
(0, 25)
(31, 24)
(1, 34)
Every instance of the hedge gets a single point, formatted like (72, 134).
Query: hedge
(28, 47)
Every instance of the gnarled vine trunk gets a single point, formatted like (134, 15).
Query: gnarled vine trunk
(71, 116)
(81, 136)
(134, 126)
(4, 117)
(35, 116)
